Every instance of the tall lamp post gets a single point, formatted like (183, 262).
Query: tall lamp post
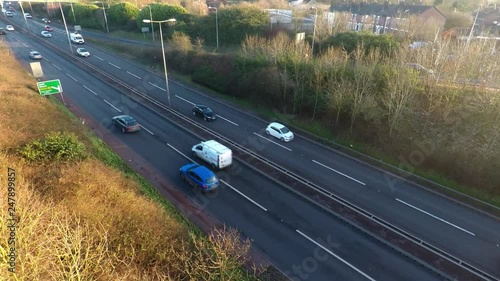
(24, 15)
(105, 17)
(163, 52)
(66, 27)
(151, 20)
(216, 25)
(314, 28)
(104, 12)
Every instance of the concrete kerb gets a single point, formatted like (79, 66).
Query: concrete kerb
(355, 155)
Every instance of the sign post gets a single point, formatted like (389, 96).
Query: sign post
(50, 87)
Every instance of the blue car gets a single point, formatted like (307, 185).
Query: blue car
(199, 176)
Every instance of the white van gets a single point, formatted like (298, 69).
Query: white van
(76, 38)
(214, 153)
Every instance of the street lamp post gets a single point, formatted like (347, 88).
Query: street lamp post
(24, 15)
(216, 25)
(151, 19)
(73, 12)
(163, 53)
(104, 12)
(217, 28)
(314, 29)
(66, 27)
(105, 17)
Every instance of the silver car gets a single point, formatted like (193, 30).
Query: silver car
(46, 34)
(34, 55)
(82, 52)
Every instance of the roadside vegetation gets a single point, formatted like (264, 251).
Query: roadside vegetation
(81, 213)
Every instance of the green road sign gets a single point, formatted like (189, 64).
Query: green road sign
(49, 87)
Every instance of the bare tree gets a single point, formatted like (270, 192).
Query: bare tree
(363, 80)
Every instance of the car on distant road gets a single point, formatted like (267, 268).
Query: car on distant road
(9, 14)
(27, 15)
(2, 31)
(9, 27)
(48, 28)
(34, 55)
(45, 34)
(420, 69)
(126, 123)
(199, 177)
(46, 20)
(204, 111)
(279, 131)
(82, 52)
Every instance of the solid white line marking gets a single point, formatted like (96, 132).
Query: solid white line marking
(334, 255)
(115, 65)
(192, 103)
(272, 141)
(146, 130)
(56, 66)
(130, 73)
(71, 77)
(227, 120)
(98, 57)
(241, 193)
(95, 94)
(112, 105)
(154, 85)
(185, 156)
(351, 178)
(438, 218)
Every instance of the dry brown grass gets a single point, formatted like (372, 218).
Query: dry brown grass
(85, 220)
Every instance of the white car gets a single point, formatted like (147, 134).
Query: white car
(9, 28)
(82, 52)
(34, 55)
(46, 34)
(279, 131)
(27, 15)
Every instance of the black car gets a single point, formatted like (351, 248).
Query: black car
(2, 31)
(126, 123)
(204, 111)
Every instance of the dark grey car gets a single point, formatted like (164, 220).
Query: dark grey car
(126, 123)
(204, 111)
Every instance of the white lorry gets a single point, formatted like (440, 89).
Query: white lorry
(214, 153)
(76, 38)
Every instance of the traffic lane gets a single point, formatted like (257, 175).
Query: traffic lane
(441, 228)
(481, 231)
(91, 94)
(227, 205)
(297, 214)
(235, 210)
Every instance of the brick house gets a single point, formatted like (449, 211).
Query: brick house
(386, 18)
